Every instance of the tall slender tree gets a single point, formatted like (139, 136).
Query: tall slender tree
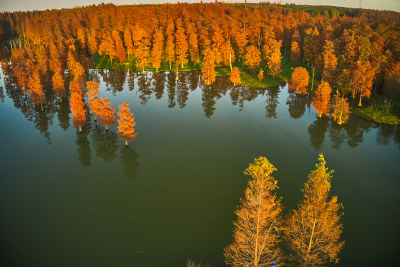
(126, 123)
(258, 224)
(321, 99)
(313, 230)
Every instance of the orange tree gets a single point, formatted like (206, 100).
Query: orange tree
(299, 80)
(126, 123)
(321, 99)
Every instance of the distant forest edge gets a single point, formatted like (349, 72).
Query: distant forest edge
(351, 54)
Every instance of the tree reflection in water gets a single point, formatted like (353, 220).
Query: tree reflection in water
(317, 131)
(297, 104)
(83, 144)
(272, 101)
(159, 84)
(171, 89)
(106, 143)
(129, 158)
(182, 90)
(2, 96)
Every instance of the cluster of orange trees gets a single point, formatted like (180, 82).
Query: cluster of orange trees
(354, 53)
(322, 100)
(308, 235)
(210, 35)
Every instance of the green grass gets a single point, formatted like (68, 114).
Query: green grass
(380, 109)
(103, 62)
(249, 78)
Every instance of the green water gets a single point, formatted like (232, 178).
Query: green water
(70, 199)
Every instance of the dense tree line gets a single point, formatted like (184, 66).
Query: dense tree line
(355, 53)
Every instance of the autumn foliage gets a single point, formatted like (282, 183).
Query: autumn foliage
(252, 57)
(208, 69)
(341, 110)
(299, 80)
(363, 80)
(126, 123)
(257, 227)
(321, 99)
(313, 231)
(235, 76)
(260, 75)
(77, 105)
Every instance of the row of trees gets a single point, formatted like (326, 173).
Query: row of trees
(309, 235)
(336, 47)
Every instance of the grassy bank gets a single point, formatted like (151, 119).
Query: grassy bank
(380, 109)
(249, 79)
(103, 62)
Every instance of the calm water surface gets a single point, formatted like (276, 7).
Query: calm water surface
(69, 199)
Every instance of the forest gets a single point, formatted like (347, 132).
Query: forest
(341, 62)
(342, 56)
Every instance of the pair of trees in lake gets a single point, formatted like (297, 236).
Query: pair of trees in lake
(309, 235)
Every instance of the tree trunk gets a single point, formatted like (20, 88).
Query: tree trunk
(310, 243)
(230, 60)
(41, 107)
(359, 103)
(80, 128)
(170, 65)
(126, 143)
(312, 81)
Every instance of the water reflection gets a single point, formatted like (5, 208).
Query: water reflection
(129, 158)
(83, 145)
(105, 142)
(317, 131)
(297, 104)
(272, 102)
(176, 90)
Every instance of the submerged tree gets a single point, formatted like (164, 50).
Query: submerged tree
(321, 100)
(256, 233)
(341, 110)
(313, 230)
(235, 76)
(300, 80)
(126, 123)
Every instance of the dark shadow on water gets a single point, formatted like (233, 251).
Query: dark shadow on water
(129, 158)
(272, 102)
(297, 104)
(105, 142)
(83, 145)
(317, 131)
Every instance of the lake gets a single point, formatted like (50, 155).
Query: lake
(83, 199)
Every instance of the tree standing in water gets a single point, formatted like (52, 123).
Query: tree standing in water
(321, 99)
(341, 110)
(313, 230)
(235, 76)
(258, 223)
(126, 124)
(299, 80)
